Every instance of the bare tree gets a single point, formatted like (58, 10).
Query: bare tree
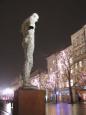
(64, 69)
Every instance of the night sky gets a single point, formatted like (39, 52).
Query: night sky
(58, 20)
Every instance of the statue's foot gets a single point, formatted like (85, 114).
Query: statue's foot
(29, 86)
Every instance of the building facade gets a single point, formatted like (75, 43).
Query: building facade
(78, 41)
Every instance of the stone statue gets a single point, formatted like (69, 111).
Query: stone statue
(28, 31)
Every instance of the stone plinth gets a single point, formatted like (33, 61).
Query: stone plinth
(29, 102)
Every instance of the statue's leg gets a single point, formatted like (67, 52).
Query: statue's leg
(27, 71)
(26, 74)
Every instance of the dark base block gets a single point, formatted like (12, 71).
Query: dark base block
(29, 102)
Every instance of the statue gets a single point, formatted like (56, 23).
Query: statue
(28, 31)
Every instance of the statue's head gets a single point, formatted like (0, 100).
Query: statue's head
(30, 21)
(34, 17)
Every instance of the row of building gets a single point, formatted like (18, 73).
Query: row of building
(72, 58)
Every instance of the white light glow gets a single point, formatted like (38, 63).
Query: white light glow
(8, 91)
(35, 82)
(8, 109)
(46, 97)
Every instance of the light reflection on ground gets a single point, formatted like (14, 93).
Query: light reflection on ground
(58, 109)
(8, 109)
(66, 109)
(55, 109)
(63, 109)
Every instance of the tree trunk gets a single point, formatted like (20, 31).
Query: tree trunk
(70, 92)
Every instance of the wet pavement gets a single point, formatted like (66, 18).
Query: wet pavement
(54, 109)
(66, 109)
(6, 109)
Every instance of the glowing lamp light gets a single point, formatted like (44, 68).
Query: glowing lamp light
(57, 93)
(84, 96)
(8, 91)
(46, 97)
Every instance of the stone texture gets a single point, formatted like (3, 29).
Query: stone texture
(28, 31)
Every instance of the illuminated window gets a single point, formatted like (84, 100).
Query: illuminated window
(71, 82)
(71, 71)
(76, 66)
(71, 60)
(67, 84)
(80, 63)
(50, 69)
(53, 61)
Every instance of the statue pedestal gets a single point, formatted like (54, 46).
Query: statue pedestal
(29, 102)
